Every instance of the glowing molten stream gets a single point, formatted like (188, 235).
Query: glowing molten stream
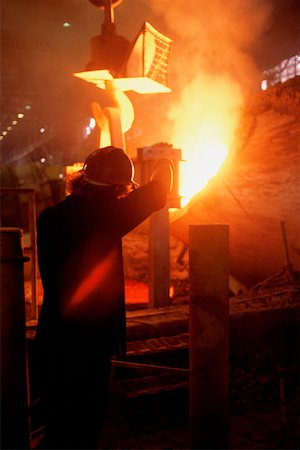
(205, 120)
(202, 160)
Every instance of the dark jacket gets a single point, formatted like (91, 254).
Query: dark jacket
(81, 265)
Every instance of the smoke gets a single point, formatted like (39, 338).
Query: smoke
(214, 36)
(211, 70)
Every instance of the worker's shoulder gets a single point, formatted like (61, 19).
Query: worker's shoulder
(54, 210)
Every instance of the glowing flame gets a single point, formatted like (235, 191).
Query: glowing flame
(211, 75)
(205, 159)
(204, 124)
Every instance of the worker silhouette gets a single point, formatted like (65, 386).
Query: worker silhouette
(82, 319)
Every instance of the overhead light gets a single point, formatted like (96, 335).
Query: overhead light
(92, 122)
(66, 24)
(20, 115)
(264, 85)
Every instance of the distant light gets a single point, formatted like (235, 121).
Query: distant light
(87, 131)
(20, 115)
(43, 159)
(61, 176)
(42, 130)
(264, 85)
(4, 133)
(27, 106)
(92, 122)
(9, 128)
(1, 137)
(14, 122)
(66, 24)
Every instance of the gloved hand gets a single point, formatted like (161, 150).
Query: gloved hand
(163, 172)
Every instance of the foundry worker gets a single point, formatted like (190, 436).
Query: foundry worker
(82, 320)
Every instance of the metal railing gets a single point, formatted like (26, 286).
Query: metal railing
(286, 69)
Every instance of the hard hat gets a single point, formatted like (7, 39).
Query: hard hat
(108, 166)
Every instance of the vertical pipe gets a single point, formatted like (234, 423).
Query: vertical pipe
(108, 11)
(159, 259)
(209, 317)
(14, 391)
(117, 138)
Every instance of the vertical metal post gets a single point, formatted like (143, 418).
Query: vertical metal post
(117, 138)
(108, 12)
(14, 386)
(209, 317)
(159, 259)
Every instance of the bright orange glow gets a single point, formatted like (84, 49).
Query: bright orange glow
(204, 161)
(140, 84)
(126, 109)
(171, 291)
(204, 124)
(74, 168)
(71, 170)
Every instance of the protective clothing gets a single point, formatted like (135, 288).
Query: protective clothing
(163, 172)
(82, 320)
(109, 166)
